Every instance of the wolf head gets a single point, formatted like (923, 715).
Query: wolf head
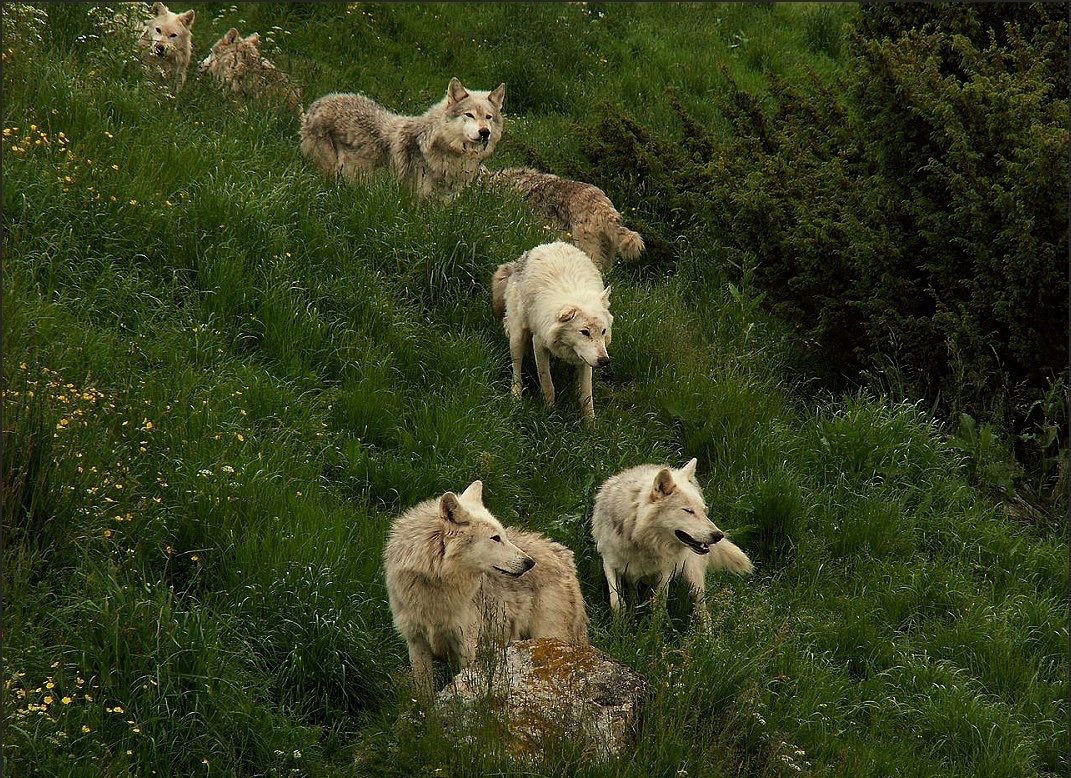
(474, 541)
(583, 332)
(474, 119)
(167, 32)
(678, 511)
(231, 55)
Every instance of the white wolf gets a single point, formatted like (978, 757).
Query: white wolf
(650, 523)
(554, 298)
(454, 575)
(438, 152)
(167, 42)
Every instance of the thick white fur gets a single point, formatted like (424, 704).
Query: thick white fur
(636, 516)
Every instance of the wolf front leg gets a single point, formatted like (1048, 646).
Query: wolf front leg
(542, 358)
(613, 581)
(695, 573)
(423, 667)
(517, 343)
(587, 401)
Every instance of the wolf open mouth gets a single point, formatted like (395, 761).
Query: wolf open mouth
(692, 543)
(511, 574)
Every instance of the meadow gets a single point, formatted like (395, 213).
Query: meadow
(224, 375)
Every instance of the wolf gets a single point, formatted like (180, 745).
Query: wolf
(553, 297)
(167, 42)
(581, 211)
(650, 522)
(436, 153)
(235, 63)
(455, 576)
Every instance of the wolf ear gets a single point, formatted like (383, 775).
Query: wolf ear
(474, 492)
(159, 9)
(450, 509)
(231, 36)
(663, 484)
(253, 39)
(688, 471)
(567, 313)
(498, 96)
(455, 92)
(606, 296)
(187, 18)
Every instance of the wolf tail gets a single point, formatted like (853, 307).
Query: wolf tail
(498, 288)
(629, 244)
(728, 556)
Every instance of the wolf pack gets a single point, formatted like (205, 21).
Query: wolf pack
(456, 578)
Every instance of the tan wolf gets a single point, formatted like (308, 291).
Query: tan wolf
(455, 576)
(650, 523)
(438, 152)
(235, 63)
(167, 43)
(553, 297)
(582, 212)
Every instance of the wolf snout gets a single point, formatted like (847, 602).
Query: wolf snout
(160, 51)
(484, 133)
(604, 361)
(717, 536)
(529, 563)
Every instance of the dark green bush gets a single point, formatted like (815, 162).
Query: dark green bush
(912, 220)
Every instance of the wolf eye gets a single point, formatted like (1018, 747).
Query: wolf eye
(496, 538)
(586, 333)
(603, 330)
(470, 115)
(688, 510)
(489, 116)
(173, 35)
(158, 29)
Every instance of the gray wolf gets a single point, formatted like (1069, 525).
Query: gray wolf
(580, 211)
(235, 63)
(650, 523)
(456, 576)
(438, 152)
(167, 43)
(554, 298)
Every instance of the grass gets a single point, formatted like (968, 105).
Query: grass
(225, 375)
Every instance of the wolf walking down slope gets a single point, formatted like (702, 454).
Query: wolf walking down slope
(650, 523)
(581, 210)
(166, 43)
(438, 152)
(455, 576)
(553, 298)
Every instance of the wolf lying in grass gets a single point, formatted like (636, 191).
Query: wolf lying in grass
(166, 44)
(650, 522)
(455, 576)
(553, 298)
(235, 63)
(436, 153)
(582, 212)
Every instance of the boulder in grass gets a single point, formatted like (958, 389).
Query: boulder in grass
(539, 692)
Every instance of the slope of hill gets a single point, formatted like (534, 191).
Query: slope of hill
(225, 375)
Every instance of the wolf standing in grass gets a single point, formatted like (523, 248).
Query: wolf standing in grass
(650, 523)
(553, 298)
(167, 43)
(454, 576)
(581, 210)
(438, 152)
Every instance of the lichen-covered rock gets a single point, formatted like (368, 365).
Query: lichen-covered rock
(540, 691)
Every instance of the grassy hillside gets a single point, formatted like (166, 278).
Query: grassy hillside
(225, 375)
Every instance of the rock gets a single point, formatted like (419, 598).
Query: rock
(541, 691)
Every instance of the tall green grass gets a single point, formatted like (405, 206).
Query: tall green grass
(224, 382)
